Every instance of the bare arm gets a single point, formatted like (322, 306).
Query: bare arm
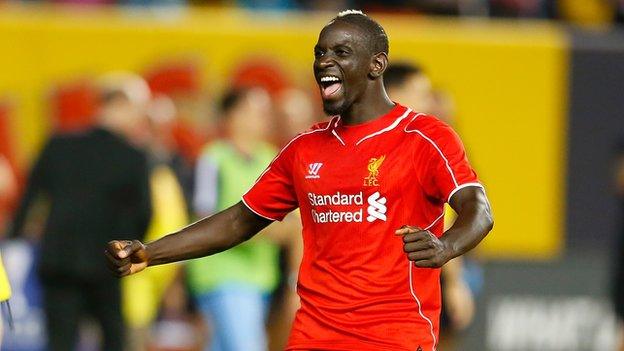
(208, 236)
(474, 222)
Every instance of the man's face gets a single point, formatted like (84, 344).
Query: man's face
(251, 114)
(341, 66)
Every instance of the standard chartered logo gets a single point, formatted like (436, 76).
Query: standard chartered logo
(347, 207)
(376, 207)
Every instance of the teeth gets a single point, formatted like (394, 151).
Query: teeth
(329, 79)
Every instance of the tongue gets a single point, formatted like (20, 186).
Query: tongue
(331, 89)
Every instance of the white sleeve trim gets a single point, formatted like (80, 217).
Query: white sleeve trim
(256, 212)
(459, 187)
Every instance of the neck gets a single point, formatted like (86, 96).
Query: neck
(111, 125)
(373, 103)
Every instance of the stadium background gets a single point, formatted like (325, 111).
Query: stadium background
(538, 107)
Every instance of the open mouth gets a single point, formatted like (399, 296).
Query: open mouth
(330, 85)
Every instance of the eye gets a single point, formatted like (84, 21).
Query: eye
(342, 52)
(318, 53)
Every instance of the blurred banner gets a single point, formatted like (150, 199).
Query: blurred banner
(596, 130)
(554, 306)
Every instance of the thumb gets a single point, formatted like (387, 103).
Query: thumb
(406, 229)
(130, 248)
(116, 249)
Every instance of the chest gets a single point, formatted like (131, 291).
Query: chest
(384, 164)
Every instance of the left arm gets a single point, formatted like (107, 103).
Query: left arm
(474, 222)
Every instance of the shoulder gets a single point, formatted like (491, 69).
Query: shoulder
(424, 123)
(132, 153)
(62, 143)
(137, 157)
(430, 128)
(315, 132)
(317, 129)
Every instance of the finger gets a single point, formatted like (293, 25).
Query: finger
(417, 236)
(417, 246)
(111, 265)
(113, 247)
(114, 261)
(421, 255)
(130, 248)
(123, 270)
(137, 267)
(406, 229)
(425, 264)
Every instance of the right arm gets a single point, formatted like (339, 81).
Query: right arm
(208, 236)
(271, 198)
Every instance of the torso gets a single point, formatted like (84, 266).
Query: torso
(356, 186)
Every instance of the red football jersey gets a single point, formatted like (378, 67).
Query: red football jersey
(355, 185)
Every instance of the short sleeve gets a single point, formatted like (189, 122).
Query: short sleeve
(447, 169)
(273, 195)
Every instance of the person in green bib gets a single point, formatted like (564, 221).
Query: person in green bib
(232, 289)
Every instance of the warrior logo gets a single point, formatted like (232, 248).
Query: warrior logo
(313, 170)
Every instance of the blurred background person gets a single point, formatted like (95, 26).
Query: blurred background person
(233, 289)
(443, 106)
(96, 185)
(142, 295)
(618, 279)
(187, 132)
(8, 190)
(295, 113)
(409, 84)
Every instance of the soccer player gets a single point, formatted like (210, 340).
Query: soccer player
(370, 184)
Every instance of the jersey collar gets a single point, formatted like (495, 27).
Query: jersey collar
(359, 133)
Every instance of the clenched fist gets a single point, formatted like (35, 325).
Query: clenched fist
(126, 257)
(423, 248)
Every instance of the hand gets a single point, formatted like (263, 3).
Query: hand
(126, 257)
(423, 248)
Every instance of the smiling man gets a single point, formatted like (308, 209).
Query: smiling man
(371, 184)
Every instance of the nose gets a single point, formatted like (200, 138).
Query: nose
(324, 61)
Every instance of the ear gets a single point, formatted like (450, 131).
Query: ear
(378, 65)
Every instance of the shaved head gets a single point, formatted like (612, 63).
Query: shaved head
(373, 31)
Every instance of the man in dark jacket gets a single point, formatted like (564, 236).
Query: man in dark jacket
(97, 187)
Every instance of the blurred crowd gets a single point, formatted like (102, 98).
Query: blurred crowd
(143, 157)
(585, 12)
